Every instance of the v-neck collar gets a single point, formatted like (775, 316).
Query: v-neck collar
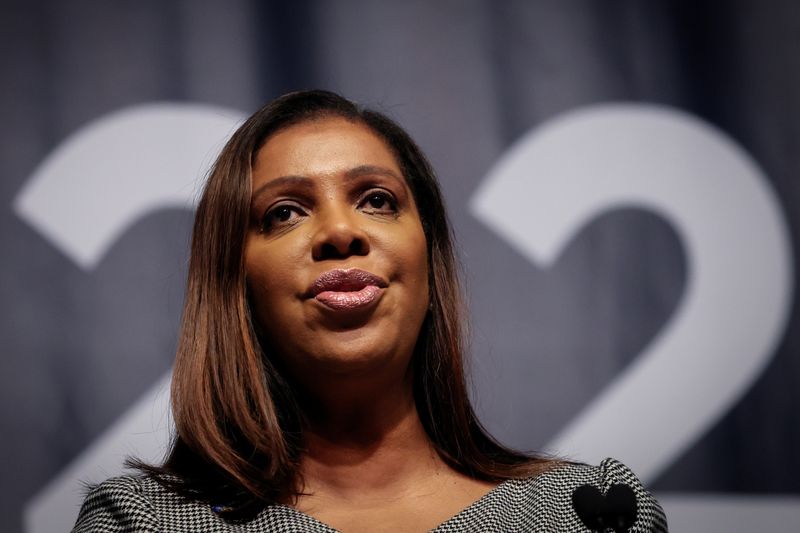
(469, 509)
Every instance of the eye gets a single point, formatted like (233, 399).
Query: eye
(280, 215)
(379, 202)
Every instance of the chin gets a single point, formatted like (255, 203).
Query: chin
(352, 352)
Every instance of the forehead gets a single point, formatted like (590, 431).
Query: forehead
(321, 147)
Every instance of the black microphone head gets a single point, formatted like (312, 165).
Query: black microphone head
(589, 503)
(616, 509)
(621, 507)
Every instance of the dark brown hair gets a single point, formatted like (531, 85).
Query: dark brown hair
(239, 429)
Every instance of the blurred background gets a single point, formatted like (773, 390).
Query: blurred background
(645, 258)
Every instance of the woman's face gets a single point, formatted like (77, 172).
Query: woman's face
(336, 257)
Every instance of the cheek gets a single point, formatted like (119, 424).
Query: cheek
(269, 277)
(422, 269)
(272, 263)
(411, 252)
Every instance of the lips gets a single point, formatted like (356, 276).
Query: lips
(347, 289)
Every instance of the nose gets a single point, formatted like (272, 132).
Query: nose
(338, 234)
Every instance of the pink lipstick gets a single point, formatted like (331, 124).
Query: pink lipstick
(347, 289)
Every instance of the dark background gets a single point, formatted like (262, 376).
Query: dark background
(467, 79)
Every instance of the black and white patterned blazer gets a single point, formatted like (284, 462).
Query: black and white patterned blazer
(540, 504)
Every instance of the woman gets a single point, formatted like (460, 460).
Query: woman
(319, 381)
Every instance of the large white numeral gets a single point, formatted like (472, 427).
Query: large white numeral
(83, 197)
(736, 303)
(115, 170)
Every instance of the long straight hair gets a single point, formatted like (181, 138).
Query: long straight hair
(239, 427)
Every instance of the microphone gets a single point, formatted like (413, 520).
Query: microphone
(615, 510)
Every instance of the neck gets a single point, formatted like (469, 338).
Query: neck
(365, 436)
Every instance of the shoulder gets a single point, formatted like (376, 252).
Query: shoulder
(116, 505)
(550, 494)
(139, 503)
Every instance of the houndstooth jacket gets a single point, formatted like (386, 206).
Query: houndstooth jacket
(540, 504)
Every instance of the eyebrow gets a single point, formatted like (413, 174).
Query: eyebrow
(307, 183)
(298, 181)
(372, 170)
